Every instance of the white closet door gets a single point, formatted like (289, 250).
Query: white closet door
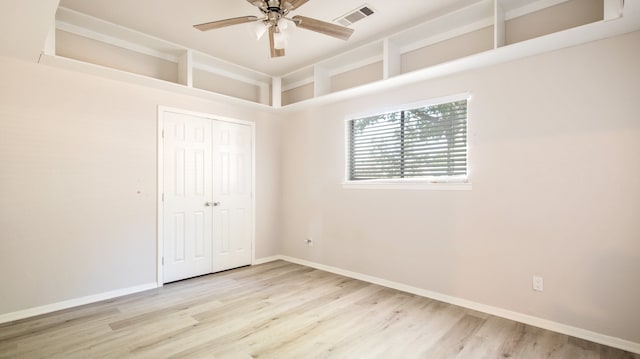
(187, 193)
(207, 186)
(232, 186)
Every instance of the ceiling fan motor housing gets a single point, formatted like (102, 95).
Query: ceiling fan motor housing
(275, 8)
(273, 17)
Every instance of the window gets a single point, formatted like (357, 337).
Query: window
(427, 143)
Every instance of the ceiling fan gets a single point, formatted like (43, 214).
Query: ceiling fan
(275, 21)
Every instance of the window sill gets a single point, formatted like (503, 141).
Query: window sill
(408, 185)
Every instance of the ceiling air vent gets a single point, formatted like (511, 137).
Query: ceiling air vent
(356, 15)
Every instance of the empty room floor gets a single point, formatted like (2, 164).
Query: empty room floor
(282, 310)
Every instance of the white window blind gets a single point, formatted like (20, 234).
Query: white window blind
(425, 142)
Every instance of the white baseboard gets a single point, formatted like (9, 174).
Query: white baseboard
(499, 312)
(32, 312)
(266, 260)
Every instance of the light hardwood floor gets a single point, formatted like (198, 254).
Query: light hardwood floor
(282, 310)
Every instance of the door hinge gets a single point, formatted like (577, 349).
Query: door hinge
(162, 260)
(163, 197)
(162, 133)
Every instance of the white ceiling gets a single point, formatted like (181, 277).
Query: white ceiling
(172, 21)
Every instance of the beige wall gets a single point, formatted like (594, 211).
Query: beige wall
(96, 52)
(447, 50)
(554, 143)
(297, 94)
(220, 84)
(78, 182)
(556, 18)
(356, 77)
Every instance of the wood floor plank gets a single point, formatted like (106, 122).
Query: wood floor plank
(437, 320)
(488, 340)
(361, 341)
(273, 323)
(306, 324)
(283, 310)
(614, 353)
(26, 328)
(101, 347)
(219, 325)
(454, 341)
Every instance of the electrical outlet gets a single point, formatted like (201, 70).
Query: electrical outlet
(309, 241)
(538, 283)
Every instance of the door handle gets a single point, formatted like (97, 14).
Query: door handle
(209, 204)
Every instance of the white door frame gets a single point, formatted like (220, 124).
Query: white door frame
(160, 183)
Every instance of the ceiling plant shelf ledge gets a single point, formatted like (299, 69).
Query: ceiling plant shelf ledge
(484, 33)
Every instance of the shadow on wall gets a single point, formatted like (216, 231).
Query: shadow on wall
(611, 283)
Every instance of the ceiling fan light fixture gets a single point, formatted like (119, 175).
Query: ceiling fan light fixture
(259, 28)
(280, 40)
(283, 23)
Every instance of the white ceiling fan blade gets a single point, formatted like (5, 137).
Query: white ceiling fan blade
(223, 23)
(323, 27)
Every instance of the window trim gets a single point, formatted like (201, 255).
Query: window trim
(410, 185)
(426, 183)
